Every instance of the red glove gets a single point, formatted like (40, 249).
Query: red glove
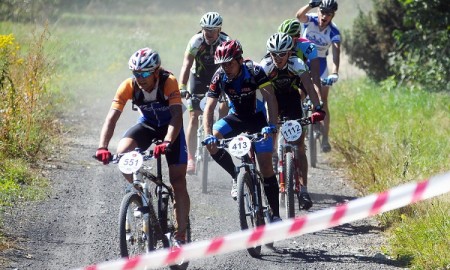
(161, 149)
(103, 155)
(317, 116)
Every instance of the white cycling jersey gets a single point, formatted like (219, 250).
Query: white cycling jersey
(295, 66)
(322, 39)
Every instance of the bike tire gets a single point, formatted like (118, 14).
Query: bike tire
(204, 176)
(289, 183)
(247, 215)
(133, 240)
(312, 140)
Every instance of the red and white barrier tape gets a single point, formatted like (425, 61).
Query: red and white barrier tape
(354, 210)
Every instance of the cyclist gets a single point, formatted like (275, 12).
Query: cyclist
(199, 66)
(154, 91)
(319, 28)
(304, 48)
(240, 80)
(286, 72)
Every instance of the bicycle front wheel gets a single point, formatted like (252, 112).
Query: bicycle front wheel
(134, 238)
(312, 140)
(248, 214)
(289, 182)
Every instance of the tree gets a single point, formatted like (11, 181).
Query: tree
(405, 38)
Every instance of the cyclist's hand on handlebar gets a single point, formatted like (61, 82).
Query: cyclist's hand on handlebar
(210, 139)
(161, 148)
(333, 78)
(318, 115)
(268, 130)
(184, 93)
(103, 155)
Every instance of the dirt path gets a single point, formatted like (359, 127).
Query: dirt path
(77, 225)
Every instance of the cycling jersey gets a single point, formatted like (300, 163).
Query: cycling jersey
(286, 83)
(153, 106)
(322, 39)
(305, 49)
(204, 66)
(241, 91)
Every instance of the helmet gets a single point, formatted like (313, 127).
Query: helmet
(211, 20)
(228, 51)
(280, 42)
(329, 5)
(144, 59)
(291, 27)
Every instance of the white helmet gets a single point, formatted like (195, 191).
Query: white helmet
(280, 42)
(144, 59)
(211, 20)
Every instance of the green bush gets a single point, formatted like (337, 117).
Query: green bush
(403, 38)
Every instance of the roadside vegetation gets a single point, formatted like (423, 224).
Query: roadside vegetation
(387, 129)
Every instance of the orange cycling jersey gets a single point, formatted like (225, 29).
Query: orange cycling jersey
(154, 106)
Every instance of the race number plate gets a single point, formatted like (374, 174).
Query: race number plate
(130, 162)
(239, 146)
(291, 130)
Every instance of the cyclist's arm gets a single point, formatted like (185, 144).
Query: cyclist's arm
(188, 61)
(301, 14)
(108, 127)
(336, 49)
(176, 122)
(309, 87)
(208, 114)
(271, 100)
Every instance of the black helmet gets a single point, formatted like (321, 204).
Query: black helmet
(329, 5)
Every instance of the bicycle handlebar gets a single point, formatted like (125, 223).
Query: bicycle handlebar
(303, 121)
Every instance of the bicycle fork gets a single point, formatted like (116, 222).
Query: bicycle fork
(283, 148)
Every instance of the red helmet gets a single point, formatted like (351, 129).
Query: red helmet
(227, 51)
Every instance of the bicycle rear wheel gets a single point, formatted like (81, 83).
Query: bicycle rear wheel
(248, 216)
(134, 237)
(289, 182)
(312, 140)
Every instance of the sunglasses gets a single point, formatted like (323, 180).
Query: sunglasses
(144, 74)
(326, 12)
(210, 29)
(279, 54)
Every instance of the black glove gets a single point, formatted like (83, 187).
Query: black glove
(314, 3)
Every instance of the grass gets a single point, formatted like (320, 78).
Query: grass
(386, 136)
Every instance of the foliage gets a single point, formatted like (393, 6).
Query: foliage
(25, 116)
(385, 138)
(424, 239)
(403, 38)
(423, 54)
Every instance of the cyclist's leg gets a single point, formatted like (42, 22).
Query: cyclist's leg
(192, 136)
(324, 94)
(302, 161)
(176, 160)
(136, 136)
(264, 151)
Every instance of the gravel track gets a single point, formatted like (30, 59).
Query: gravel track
(77, 225)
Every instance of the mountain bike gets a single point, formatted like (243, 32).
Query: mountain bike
(288, 171)
(315, 130)
(254, 209)
(202, 156)
(146, 216)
